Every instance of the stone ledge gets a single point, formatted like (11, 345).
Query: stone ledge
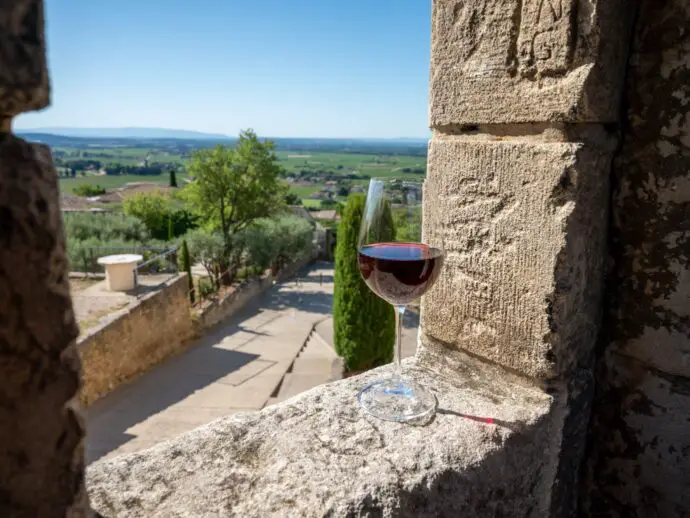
(492, 450)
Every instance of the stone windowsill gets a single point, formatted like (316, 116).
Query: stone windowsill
(488, 452)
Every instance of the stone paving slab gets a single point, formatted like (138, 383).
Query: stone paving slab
(312, 365)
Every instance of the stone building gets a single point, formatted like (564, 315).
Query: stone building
(557, 339)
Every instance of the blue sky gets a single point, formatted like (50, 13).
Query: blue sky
(287, 68)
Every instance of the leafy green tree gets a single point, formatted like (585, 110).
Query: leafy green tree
(157, 212)
(364, 324)
(173, 178)
(152, 209)
(235, 186)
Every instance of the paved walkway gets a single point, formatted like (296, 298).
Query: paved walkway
(238, 366)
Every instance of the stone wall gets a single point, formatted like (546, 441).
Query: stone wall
(135, 339)
(131, 341)
(524, 105)
(219, 310)
(41, 431)
(639, 463)
(215, 311)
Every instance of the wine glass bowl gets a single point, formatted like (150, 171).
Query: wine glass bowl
(398, 267)
(399, 273)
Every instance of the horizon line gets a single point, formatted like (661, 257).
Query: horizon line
(210, 134)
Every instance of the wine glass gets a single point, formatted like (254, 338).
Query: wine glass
(399, 268)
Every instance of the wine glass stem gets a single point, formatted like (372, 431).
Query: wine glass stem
(399, 313)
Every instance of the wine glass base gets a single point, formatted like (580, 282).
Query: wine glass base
(397, 399)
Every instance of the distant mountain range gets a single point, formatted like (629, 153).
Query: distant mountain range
(136, 133)
(163, 134)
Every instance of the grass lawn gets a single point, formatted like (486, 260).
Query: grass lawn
(304, 191)
(374, 165)
(311, 204)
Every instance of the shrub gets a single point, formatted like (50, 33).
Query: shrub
(271, 242)
(206, 288)
(104, 227)
(83, 254)
(88, 190)
(156, 211)
(261, 245)
(152, 209)
(294, 237)
(208, 249)
(364, 324)
(292, 199)
(408, 223)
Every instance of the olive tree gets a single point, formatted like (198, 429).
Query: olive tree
(233, 187)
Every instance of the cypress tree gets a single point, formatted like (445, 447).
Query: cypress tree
(187, 267)
(363, 323)
(173, 178)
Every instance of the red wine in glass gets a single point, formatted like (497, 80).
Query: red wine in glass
(399, 272)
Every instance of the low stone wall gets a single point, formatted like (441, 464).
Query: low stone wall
(131, 341)
(491, 450)
(220, 310)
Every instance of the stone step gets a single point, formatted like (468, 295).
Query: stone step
(325, 331)
(317, 348)
(294, 384)
(312, 365)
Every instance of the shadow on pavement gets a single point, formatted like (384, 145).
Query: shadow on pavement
(312, 302)
(169, 383)
(317, 279)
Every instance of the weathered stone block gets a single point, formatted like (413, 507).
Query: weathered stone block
(492, 450)
(503, 61)
(523, 227)
(41, 451)
(639, 464)
(24, 83)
